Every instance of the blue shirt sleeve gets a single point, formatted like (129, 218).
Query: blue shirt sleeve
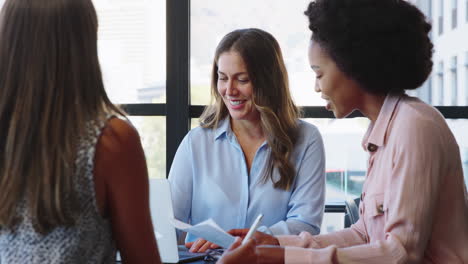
(308, 196)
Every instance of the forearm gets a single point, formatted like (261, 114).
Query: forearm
(389, 251)
(344, 238)
(270, 255)
(291, 227)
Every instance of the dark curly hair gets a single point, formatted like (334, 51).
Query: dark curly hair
(381, 44)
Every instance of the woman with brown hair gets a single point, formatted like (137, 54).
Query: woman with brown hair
(251, 154)
(63, 199)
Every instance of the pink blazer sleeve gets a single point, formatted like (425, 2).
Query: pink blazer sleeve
(355, 235)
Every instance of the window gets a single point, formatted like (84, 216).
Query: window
(332, 222)
(346, 161)
(152, 130)
(454, 13)
(132, 54)
(425, 92)
(212, 19)
(440, 83)
(466, 78)
(132, 50)
(454, 84)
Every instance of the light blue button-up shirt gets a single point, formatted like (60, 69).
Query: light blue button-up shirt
(209, 179)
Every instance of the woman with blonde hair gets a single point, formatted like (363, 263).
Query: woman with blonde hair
(251, 154)
(73, 178)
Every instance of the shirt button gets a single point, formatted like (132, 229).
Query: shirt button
(371, 147)
(360, 211)
(380, 209)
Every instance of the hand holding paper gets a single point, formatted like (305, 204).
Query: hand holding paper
(208, 230)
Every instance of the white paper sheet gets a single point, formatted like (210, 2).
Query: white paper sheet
(207, 230)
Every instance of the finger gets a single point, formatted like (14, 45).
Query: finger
(189, 244)
(236, 244)
(213, 246)
(239, 232)
(250, 242)
(196, 246)
(205, 247)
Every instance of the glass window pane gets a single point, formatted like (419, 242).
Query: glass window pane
(152, 132)
(132, 49)
(332, 222)
(194, 122)
(454, 80)
(465, 80)
(346, 161)
(212, 19)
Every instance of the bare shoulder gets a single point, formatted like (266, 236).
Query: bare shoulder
(119, 152)
(123, 177)
(119, 136)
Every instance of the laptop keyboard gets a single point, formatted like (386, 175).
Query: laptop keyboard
(184, 253)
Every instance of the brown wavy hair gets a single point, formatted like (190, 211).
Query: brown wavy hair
(271, 97)
(50, 87)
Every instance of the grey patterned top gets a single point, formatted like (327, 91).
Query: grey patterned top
(89, 241)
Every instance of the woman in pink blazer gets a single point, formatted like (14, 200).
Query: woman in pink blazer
(414, 205)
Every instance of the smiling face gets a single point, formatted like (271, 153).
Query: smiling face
(342, 94)
(235, 87)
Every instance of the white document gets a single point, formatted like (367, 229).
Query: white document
(207, 230)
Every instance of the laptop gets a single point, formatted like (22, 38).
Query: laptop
(161, 213)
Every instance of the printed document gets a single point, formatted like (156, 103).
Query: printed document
(207, 230)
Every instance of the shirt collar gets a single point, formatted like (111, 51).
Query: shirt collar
(377, 130)
(224, 126)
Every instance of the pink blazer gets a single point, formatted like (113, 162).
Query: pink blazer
(414, 206)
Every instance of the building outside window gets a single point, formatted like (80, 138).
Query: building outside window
(454, 13)
(466, 78)
(451, 49)
(454, 81)
(132, 54)
(440, 83)
(441, 17)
